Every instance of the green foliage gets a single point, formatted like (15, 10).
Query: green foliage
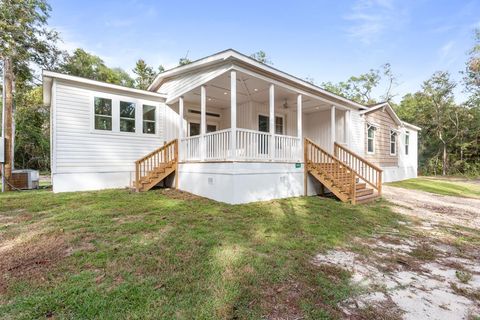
(472, 72)
(261, 56)
(449, 140)
(84, 64)
(154, 256)
(441, 186)
(32, 148)
(25, 38)
(184, 61)
(360, 88)
(145, 74)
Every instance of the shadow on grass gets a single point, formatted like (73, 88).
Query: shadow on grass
(149, 255)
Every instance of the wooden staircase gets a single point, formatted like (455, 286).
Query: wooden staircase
(349, 177)
(151, 169)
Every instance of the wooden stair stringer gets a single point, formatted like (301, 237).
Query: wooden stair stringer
(156, 177)
(329, 185)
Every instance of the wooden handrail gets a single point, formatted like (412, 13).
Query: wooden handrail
(166, 154)
(340, 173)
(366, 170)
(157, 150)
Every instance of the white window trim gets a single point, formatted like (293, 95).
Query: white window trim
(394, 133)
(112, 115)
(116, 115)
(155, 119)
(198, 122)
(369, 125)
(279, 115)
(128, 119)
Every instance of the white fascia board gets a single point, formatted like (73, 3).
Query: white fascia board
(411, 126)
(47, 75)
(234, 55)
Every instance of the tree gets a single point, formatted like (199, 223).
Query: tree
(24, 39)
(262, 57)
(84, 64)
(145, 74)
(32, 147)
(360, 88)
(184, 61)
(471, 74)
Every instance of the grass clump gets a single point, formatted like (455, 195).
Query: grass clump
(166, 254)
(448, 187)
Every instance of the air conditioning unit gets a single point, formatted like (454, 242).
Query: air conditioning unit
(25, 179)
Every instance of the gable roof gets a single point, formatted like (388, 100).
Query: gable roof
(48, 77)
(388, 107)
(235, 56)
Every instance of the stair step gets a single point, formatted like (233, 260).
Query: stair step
(364, 192)
(367, 198)
(361, 185)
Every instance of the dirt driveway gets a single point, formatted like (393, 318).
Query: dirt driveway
(427, 269)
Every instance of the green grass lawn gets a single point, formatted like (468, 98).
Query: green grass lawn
(164, 254)
(443, 186)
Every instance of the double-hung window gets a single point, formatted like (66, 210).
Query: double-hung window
(127, 116)
(407, 141)
(148, 119)
(370, 139)
(103, 114)
(393, 143)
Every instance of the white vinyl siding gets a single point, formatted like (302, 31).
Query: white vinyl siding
(79, 148)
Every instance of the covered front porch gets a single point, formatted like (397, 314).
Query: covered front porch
(240, 115)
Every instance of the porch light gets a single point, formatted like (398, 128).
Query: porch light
(225, 93)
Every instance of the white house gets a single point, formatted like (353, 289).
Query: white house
(226, 127)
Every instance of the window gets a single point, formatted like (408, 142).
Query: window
(393, 143)
(278, 125)
(148, 119)
(264, 124)
(195, 128)
(407, 141)
(103, 113)
(127, 116)
(371, 139)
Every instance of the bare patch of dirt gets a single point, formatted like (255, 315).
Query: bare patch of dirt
(32, 259)
(425, 275)
(178, 194)
(282, 301)
(434, 208)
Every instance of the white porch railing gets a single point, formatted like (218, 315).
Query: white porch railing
(217, 145)
(251, 145)
(190, 149)
(287, 148)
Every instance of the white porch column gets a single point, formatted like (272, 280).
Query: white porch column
(332, 126)
(346, 128)
(203, 121)
(272, 121)
(299, 116)
(181, 134)
(233, 114)
(299, 125)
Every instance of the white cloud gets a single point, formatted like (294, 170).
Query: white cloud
(370, 19)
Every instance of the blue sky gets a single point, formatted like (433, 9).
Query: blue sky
(323, 40)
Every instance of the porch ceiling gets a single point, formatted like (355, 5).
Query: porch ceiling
(250, 88)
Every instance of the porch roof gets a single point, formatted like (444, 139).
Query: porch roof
(237, 59)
